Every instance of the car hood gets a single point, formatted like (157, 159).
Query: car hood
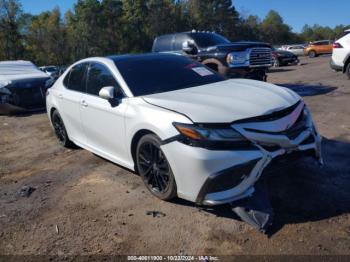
(226, 101)
(237, 46)
(284, 53)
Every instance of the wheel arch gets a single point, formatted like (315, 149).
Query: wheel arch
(346, 63)
(53, 109)
(215, 63)
(135, 139)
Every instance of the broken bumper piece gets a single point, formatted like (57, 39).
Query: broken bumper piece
(256, 210)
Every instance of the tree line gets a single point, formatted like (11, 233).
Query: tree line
(99, 28)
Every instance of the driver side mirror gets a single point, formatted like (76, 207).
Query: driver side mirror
(107, 92)
(188, 47)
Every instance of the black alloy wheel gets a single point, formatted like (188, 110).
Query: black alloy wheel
(154, 168)
(348, 71)
(60, 130)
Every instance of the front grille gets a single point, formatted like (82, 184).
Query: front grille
(260, 56)
(28, 93)
(29, 98)
(270, 117)
(292, 132)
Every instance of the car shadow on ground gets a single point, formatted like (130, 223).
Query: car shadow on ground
(27, 113)
(279, 69)
(309, 90)
(305, 193)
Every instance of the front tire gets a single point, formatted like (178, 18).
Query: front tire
(60, 130)
(154, 168)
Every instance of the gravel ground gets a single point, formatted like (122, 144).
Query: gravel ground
(85, 205)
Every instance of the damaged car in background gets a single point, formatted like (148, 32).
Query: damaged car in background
(22, 87)
(186, 130)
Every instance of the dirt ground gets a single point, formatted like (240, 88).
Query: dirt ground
(83, 204)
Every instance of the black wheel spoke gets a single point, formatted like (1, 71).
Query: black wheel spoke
(162, 181)
(153, 167)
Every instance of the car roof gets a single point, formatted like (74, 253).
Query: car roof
(188, 33)
(138, 56)
(319, 41)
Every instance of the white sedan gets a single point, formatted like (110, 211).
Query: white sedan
(297, 50)
(186, 130)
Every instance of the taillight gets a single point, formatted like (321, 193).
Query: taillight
(337, 45)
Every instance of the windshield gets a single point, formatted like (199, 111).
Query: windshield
(50, 69)
(209, 39)
(158, 73)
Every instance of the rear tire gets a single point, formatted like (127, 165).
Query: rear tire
(60, 130)
(154, 168)
(312, 54)
(347, 71)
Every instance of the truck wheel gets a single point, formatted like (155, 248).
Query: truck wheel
(348, 71)
(312, 54)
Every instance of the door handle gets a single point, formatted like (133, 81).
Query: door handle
(83, 103)
(60, 96)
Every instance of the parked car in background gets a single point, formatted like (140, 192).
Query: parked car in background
(231, 59)
(61, 70)
(50, 70)
(283, 58)
(341, 55)
(22, 87)
(186, 130)
(297, 50)
(319, 48)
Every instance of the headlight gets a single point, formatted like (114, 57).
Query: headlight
(236, 58)
(229, 59)
(212, 134)
(213, 138)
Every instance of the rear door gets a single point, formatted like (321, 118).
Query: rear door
(325, 47)
(329, 47)
(69, 101)
(103, 122)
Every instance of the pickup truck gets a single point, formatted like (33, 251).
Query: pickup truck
(231, 59)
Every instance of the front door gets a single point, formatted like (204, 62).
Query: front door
(103, 122)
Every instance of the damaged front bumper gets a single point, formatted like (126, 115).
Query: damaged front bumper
(210, 177)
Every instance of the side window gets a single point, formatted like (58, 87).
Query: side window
(76, 78)
(179, 39)
(99, 76)
(163, 43)
(66, 80)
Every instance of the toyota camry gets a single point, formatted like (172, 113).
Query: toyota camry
(187, 131)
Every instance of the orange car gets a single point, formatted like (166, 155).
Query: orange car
(318, 48)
